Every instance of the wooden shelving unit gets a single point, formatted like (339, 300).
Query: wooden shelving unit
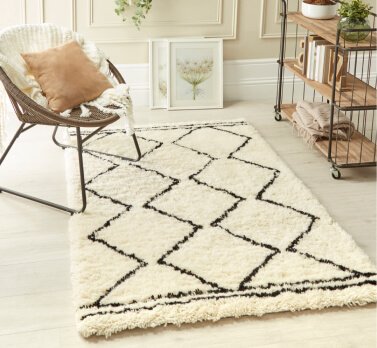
(359, 95)
(327, 28)
(358, 98)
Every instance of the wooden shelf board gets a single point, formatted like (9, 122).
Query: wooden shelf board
(341, 147)
(327, 29)
(362, 95)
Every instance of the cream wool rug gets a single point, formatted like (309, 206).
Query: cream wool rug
(209, 224)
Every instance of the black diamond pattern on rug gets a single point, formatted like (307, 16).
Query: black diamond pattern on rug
(205, 212)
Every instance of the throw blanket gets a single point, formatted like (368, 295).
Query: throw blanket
(312, 121)
(34, 38)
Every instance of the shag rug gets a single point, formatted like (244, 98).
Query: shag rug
(209, 224)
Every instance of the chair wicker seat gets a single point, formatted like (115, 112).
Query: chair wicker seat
(96, 116)
(31, 114)
(34, 113)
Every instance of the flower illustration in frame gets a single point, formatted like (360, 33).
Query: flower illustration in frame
(195, 74)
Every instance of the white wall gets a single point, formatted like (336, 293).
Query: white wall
(250, 28)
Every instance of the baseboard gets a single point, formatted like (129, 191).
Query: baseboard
(249, 79)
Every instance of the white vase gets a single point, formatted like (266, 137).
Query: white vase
(319, 11)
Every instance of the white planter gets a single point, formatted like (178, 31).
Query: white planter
(319, 11)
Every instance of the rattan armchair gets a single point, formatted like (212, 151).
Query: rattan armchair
(31, 114)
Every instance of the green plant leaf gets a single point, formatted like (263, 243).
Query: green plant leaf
(354, 9)
(140, 9)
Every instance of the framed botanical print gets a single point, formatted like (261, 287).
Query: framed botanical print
(158, 73)
(195, 74)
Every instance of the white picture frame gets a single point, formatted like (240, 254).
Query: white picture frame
(158, 73)
(185, 56)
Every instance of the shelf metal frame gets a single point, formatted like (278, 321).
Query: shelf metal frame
(336, 106)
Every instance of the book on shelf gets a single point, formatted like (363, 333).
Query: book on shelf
(321, 58)
(317, 58)
(326, 62)
(319, 62)
(316, 66)
(311, 55)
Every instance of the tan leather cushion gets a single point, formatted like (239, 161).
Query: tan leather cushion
(66, 75)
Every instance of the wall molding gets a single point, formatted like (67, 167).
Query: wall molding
(217, 21)
(233, 34)
(42, 13)
(74, 15)
(135, 40)
(263, 34)
(23, 14)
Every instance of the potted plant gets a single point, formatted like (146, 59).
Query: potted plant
(354, 15)
(319, 9)
(140, 7)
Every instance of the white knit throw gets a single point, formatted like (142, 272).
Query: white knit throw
(312, 122)
(33, 38)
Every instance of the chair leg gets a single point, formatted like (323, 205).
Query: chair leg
(42, 201)
(81, 168)
(19, 131)
(137, 147)
(64, 146)
(56, 142)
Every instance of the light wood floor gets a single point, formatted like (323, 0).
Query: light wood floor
(35, 291)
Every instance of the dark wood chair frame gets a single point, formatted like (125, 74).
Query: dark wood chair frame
(31, 114)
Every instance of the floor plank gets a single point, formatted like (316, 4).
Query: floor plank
(34, 277)
(45, 310)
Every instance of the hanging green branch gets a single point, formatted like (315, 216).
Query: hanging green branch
(141, 8)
